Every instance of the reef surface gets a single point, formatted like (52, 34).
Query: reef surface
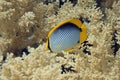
(24, 25)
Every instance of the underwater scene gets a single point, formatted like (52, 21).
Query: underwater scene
(59, 39)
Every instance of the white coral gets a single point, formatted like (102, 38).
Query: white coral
(26, 21)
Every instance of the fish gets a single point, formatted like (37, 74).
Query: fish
(66, 35)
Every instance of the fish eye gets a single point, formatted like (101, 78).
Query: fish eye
(65, 36)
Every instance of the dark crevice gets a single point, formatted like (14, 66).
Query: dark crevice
(35, 45)
(74, 2)
(86, 43)
(25, 50)
(48, 1)
(86, 50)
(67, 69)
(84, 20)
(61, 3)
(19, 52)
(116, 46)
(4, 58)
(98, 3)
(73, 59)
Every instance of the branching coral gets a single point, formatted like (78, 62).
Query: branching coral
(24, 23)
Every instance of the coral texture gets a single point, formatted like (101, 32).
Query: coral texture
(24, 26)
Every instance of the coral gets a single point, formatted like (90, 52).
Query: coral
(24, 26)
(26, 21)
(23, 21)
